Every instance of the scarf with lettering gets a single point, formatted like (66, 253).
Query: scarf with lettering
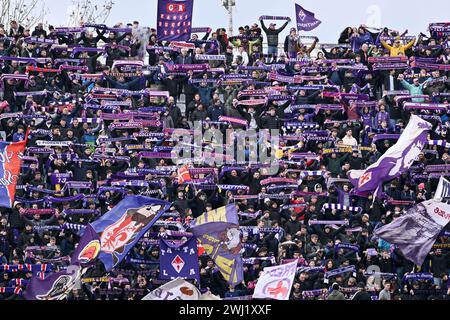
(338, 271)
(347, 246)
(338, 206)
(418, 276)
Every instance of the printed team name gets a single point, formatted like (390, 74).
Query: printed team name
(175, 7)
(442, 213)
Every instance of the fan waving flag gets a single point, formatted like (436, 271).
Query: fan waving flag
(305, 19)
(395, 161)
(11, 160)
(112, 236)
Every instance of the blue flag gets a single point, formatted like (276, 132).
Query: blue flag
(174, 20)
(179, 259)
(114, 234)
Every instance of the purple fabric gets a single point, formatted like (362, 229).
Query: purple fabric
(415, 232)
(305, 19)
(174, 20)
(54, 287)
(218, 231)
(395, 161)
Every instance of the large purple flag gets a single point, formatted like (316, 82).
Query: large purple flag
(55, 286)
(305, 19)
(178, 259)
(218, 232)
(395, 161)
(174, 20)
(415, 232)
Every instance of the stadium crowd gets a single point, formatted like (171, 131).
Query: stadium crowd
(337, 107)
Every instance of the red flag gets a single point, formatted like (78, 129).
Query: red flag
(183, 175)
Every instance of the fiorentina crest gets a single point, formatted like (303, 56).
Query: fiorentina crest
(120, 229)
(364, 179)
(306, 20)
(302, 15)
(118, 235)
(178, 263)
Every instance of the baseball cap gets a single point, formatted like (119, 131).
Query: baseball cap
(272, 25)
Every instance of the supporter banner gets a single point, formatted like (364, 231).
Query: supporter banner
(395, 161)
(276, 282)
(174, 20)
(177, 289)
(56, 286)
(10, 161)
(443, 189)
(218, 232)
(179, 260)
(305, 19)
(119, 230)
(415, 232)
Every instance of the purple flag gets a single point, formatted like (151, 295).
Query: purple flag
(56, 286)
(218, 232)
(174, 20)
(415, 232)
(305, 19)
(395, 161)
(179, 259)
(88, 248)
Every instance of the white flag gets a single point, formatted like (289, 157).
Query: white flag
(443, 189)
(177, 289)
(276, 282)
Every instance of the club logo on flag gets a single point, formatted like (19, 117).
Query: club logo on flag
(122, 232)
(364, 179)
(278, 289)
(302, 15)
(306, 20)
(178, 263)
(276, 282)
(178, 259)
(89, 252)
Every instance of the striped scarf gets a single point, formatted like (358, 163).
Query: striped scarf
(14, 290)
(440, 143)
(233, 120)
(26, 268)
(255, 259)
(338, 206)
